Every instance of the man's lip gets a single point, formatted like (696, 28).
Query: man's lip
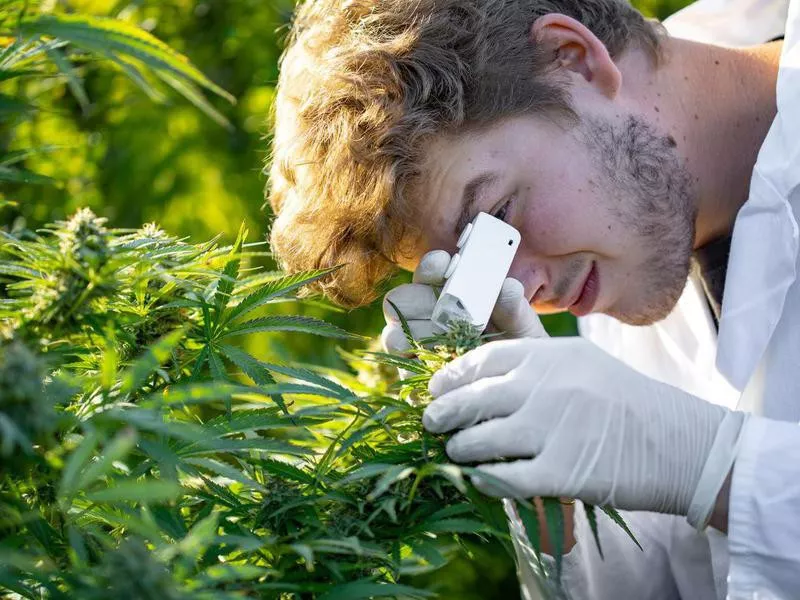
(578, 292)
(584, 303)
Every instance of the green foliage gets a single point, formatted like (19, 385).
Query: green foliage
(141, 446)
(40, 45)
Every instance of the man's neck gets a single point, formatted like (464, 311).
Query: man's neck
(718, 104)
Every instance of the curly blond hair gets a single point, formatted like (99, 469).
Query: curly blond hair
(365, 83)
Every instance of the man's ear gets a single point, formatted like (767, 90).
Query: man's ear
(577, 49)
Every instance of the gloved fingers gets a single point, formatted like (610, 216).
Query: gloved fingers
(489, 441)
(414, 300)
(513, 314)
(503, 480)
(535, 477)
(431, 268)
(484, 399)
(394, 339)
(490, 360)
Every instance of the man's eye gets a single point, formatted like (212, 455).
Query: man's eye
(502, 212)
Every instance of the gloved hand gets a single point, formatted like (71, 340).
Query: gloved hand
(585, 426)
(512, 313)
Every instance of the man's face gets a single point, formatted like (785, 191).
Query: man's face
(607, 201)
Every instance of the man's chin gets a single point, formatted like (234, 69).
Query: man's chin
(649, 313)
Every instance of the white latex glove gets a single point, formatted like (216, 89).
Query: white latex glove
(585, 425)
(512, 314)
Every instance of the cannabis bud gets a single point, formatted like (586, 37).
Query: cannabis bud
(131, 572)
(461, 337)
(84, 238)
(74, 282)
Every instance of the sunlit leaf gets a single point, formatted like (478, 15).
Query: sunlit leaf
(137, 491)
(289, 323)
(101, 34)
(275, 289)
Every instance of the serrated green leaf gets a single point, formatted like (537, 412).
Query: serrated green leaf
(285, 470)
(248, 364)
(392, 475)
(249, 421)
(20, 175)
(530, 521)
(296, 388)
(429, 552)
(76, 462)
(100, 34)
(454, 525)
(366, 471)
(196, 97)
(136, 76)
(243, 445)
(254, 369)
(617, 518)
(11, 106)
(591, 516)
(554, 517)
(156, 355)
(289, 323)
(117, 449)
(412, 343)
(227, 281)
(275, 289)
(225, 470)
(73, 81)
(393, 360)
(218, 372)
(195, 393)
(259, 371)
(217, 574)
(150, 420)
(143, 492)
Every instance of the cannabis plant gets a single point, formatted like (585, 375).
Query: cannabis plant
(141, 442)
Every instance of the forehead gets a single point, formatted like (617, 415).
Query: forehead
(451, 162)
(487, 158)
(448, 163)
(457, 158)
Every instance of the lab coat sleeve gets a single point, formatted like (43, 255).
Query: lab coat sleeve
(624, 571)
(764, 513)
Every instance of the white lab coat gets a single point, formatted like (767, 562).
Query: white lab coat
(754, 365)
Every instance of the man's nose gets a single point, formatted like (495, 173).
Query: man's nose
(532, 276)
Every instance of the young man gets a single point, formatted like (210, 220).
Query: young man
(619, 153)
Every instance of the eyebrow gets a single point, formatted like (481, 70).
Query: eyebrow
(471, 192)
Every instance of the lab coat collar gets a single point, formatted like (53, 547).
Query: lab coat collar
(762, 263)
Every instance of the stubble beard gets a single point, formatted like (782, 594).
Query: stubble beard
(656, 202)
